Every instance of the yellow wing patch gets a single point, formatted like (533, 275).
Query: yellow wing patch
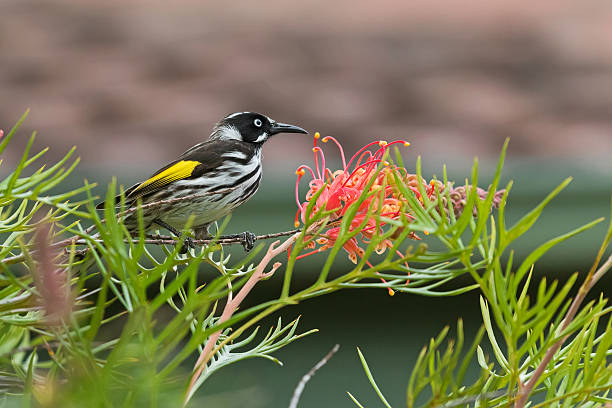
(178, 171)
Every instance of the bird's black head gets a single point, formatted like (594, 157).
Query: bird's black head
(251, 127)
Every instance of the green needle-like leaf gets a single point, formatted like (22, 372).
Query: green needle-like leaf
(371, 379)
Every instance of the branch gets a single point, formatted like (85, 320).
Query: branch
(165, 239)
(232, 305)
(295, 399)
(153, 240)
(586, 286)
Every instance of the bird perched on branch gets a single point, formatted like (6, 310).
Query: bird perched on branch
(209, 180)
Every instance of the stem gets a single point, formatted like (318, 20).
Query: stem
(295, 399)
(232, 305)
(587, 285)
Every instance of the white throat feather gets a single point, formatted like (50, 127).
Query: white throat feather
(226, 132)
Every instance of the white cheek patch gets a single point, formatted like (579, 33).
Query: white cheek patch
(262, 138)
(229, 133)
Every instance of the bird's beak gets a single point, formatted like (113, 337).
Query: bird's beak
(285, 128)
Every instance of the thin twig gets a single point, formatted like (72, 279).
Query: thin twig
(168, 240)
(295, 399)
(154, 240)
(587, 285)
(232, 305)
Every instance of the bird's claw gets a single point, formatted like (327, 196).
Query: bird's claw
(247, 239)
(187, 245)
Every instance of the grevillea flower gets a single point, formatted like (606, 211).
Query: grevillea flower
(342, 188)
(336, 191)
(459, 196)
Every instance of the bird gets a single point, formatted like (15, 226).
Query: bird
(208, 181)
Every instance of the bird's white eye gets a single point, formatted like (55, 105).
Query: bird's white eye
(258, 122)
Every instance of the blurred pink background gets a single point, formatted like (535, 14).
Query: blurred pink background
(133, 84)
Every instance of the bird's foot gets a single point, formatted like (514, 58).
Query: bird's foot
(247, 239)
(187, 245)
(187, 242)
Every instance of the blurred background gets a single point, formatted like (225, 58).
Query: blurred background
(133, 84)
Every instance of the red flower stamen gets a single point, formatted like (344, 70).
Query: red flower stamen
(338, 190)
(308, 254)
(333, 139)
(360, 151)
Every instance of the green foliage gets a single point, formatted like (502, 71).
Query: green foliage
(520, 331)
(140, 311)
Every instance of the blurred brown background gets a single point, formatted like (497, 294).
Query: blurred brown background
(133, 84)
(137, 82)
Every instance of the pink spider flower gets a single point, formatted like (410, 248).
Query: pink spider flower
(342, 188)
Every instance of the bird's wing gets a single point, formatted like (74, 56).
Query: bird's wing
(178, 170)
(192, 164)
